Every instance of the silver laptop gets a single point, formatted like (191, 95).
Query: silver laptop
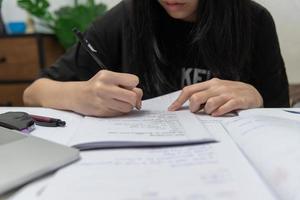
(24, 158)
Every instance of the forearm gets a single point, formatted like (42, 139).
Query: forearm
(53, 94)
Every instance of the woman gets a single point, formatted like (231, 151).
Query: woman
(223, 53)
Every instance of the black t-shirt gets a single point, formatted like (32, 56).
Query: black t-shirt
(107, 36)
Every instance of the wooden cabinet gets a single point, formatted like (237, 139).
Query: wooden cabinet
(21, 59)
(11, 94)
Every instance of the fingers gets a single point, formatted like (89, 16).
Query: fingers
(131, 97)
(119, 106)
(139, 93)
(229, 106)
(109, 108)
(130, 93)
(214, 103)
(219, 97)
(120, 86)
(198, 100)
(186, 94)
(128, 81)
(110, 94)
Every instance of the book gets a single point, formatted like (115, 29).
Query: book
(270, 139)
(150, 127)
(257, 157)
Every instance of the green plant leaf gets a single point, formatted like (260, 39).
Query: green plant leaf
(79, 16)
(66, 18)
(37, 8)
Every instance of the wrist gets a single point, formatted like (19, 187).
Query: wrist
(61, 95)
(258, 101)
(75, 95)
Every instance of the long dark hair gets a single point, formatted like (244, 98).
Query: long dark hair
(221, 35)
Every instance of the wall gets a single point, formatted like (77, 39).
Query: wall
(285, 12)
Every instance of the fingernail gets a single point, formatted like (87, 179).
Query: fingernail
(215, 114)
(139, 105)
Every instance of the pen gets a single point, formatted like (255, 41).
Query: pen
(47, 121)
(88, 47)
(294, 112)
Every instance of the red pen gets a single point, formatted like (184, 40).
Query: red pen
(48, 121)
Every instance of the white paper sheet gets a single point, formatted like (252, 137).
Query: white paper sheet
(162, 102)
(273, 146)
(141, 128)
(200, 172)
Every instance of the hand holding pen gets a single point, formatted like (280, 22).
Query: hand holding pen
(108, 93)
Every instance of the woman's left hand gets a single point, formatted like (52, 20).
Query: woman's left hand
(218, 97)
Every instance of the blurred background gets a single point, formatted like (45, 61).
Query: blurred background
(39, 38)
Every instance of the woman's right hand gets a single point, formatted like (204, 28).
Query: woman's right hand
(108, 94)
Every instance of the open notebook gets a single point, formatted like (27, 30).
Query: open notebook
(258, 157)
(150, 127)
(271, 142)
